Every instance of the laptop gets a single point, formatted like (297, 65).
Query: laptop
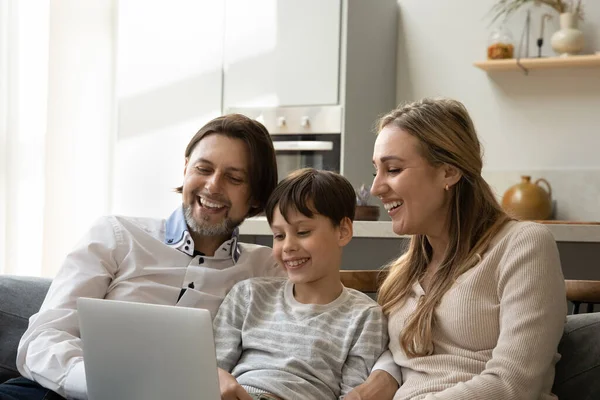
(136, 351)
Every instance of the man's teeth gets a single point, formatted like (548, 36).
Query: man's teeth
(393, 204)
(209, 204)
(295, 263)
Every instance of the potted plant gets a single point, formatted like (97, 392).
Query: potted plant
(365, 211)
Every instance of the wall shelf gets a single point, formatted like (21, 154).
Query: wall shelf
(591, 60)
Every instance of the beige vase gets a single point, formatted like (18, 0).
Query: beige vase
(568, 40)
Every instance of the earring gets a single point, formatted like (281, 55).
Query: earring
(446, 188)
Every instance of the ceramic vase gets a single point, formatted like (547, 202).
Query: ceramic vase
(528, 200)
(568, 40)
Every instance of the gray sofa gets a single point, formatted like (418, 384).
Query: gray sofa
(577, 373)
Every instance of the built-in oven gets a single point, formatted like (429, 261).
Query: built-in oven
(298, 151)
(302, 136)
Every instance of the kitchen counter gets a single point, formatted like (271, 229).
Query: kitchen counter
(563, 231)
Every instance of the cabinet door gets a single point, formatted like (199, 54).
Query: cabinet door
(169, 84)
(281, 52)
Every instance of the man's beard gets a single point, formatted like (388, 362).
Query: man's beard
(204, 228)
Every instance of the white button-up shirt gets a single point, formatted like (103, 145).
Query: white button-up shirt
(130, 259)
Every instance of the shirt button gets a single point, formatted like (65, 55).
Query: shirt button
(189, 242)
(187, 247)
(200, 260)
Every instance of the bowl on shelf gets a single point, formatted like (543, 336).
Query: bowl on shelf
(366, 213)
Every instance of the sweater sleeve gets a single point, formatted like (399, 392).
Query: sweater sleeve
(386, 363)
(227, 326)
(532, 315)
(370, 341)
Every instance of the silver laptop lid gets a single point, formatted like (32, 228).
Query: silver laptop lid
(136, 351)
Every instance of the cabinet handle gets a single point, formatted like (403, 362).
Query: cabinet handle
(303, 145)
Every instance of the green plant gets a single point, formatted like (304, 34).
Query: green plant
(363, 195)
(507, 7)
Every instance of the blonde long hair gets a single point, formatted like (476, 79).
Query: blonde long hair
(447, 136)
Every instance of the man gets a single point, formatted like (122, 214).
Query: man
(191, 259)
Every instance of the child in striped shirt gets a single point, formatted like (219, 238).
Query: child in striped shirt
(305, 337)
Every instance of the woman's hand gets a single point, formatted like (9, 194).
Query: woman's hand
(379, 386)
(230, 388)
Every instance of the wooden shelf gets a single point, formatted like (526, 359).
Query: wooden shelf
(591, 60)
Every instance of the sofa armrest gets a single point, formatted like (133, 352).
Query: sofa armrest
(20, 298)
(578, 371)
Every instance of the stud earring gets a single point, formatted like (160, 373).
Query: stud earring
(446, 188)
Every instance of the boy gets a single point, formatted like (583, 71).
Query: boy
(307, 337)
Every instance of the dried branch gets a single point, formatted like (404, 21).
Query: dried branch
(507, 7)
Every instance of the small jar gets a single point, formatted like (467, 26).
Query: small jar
(500, 44)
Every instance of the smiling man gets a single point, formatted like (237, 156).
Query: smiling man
(191, 259)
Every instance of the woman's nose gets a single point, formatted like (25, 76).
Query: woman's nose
(377, 188)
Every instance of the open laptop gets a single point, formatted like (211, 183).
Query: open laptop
(136, 351)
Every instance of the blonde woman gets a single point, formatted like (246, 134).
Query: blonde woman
(476, 306)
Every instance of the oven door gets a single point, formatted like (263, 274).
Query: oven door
(306, 151)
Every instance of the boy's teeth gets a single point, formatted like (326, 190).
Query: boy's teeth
(295, 263)
(393, 204)
(209, 204)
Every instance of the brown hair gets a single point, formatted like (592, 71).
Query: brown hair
(447, 136)
(262, 170)
(311, 191)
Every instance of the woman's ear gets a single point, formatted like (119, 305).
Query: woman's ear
(451, 175)
(346, 231)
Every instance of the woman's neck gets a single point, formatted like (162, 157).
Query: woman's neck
(439, 246)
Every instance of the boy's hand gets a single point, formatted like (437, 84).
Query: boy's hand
(379, 386)
(230, 388)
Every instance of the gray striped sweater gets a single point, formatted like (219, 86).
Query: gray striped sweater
(272, 343)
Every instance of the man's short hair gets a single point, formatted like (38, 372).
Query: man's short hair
(262, 168)
(311, 191)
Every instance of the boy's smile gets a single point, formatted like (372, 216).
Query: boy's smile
(310, 250)
(295, 263)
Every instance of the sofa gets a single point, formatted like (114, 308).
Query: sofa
(577, 373)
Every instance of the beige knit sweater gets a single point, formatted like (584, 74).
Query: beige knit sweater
(497, 328)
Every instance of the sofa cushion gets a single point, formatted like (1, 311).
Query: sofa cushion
(578, 371)
(20, 297)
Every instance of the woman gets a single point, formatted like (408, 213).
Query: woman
(476, 306)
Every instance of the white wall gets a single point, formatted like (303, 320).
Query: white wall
(169, 84)
(23, 88)
(545, 122)
(80, 123)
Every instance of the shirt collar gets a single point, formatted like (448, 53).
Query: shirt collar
(176, 233)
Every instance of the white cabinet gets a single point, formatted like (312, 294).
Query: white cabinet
(169, 84)
(281, 52)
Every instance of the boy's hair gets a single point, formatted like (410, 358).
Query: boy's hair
(310, 191)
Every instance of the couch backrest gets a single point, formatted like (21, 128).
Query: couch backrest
(20, 298)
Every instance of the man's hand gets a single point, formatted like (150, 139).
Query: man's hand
(230, 388)
(379, 386)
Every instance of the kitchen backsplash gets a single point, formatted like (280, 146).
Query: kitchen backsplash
(576, 193)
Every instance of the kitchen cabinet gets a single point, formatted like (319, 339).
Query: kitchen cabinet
(290, 83)
(181, 63)
(281, 52)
